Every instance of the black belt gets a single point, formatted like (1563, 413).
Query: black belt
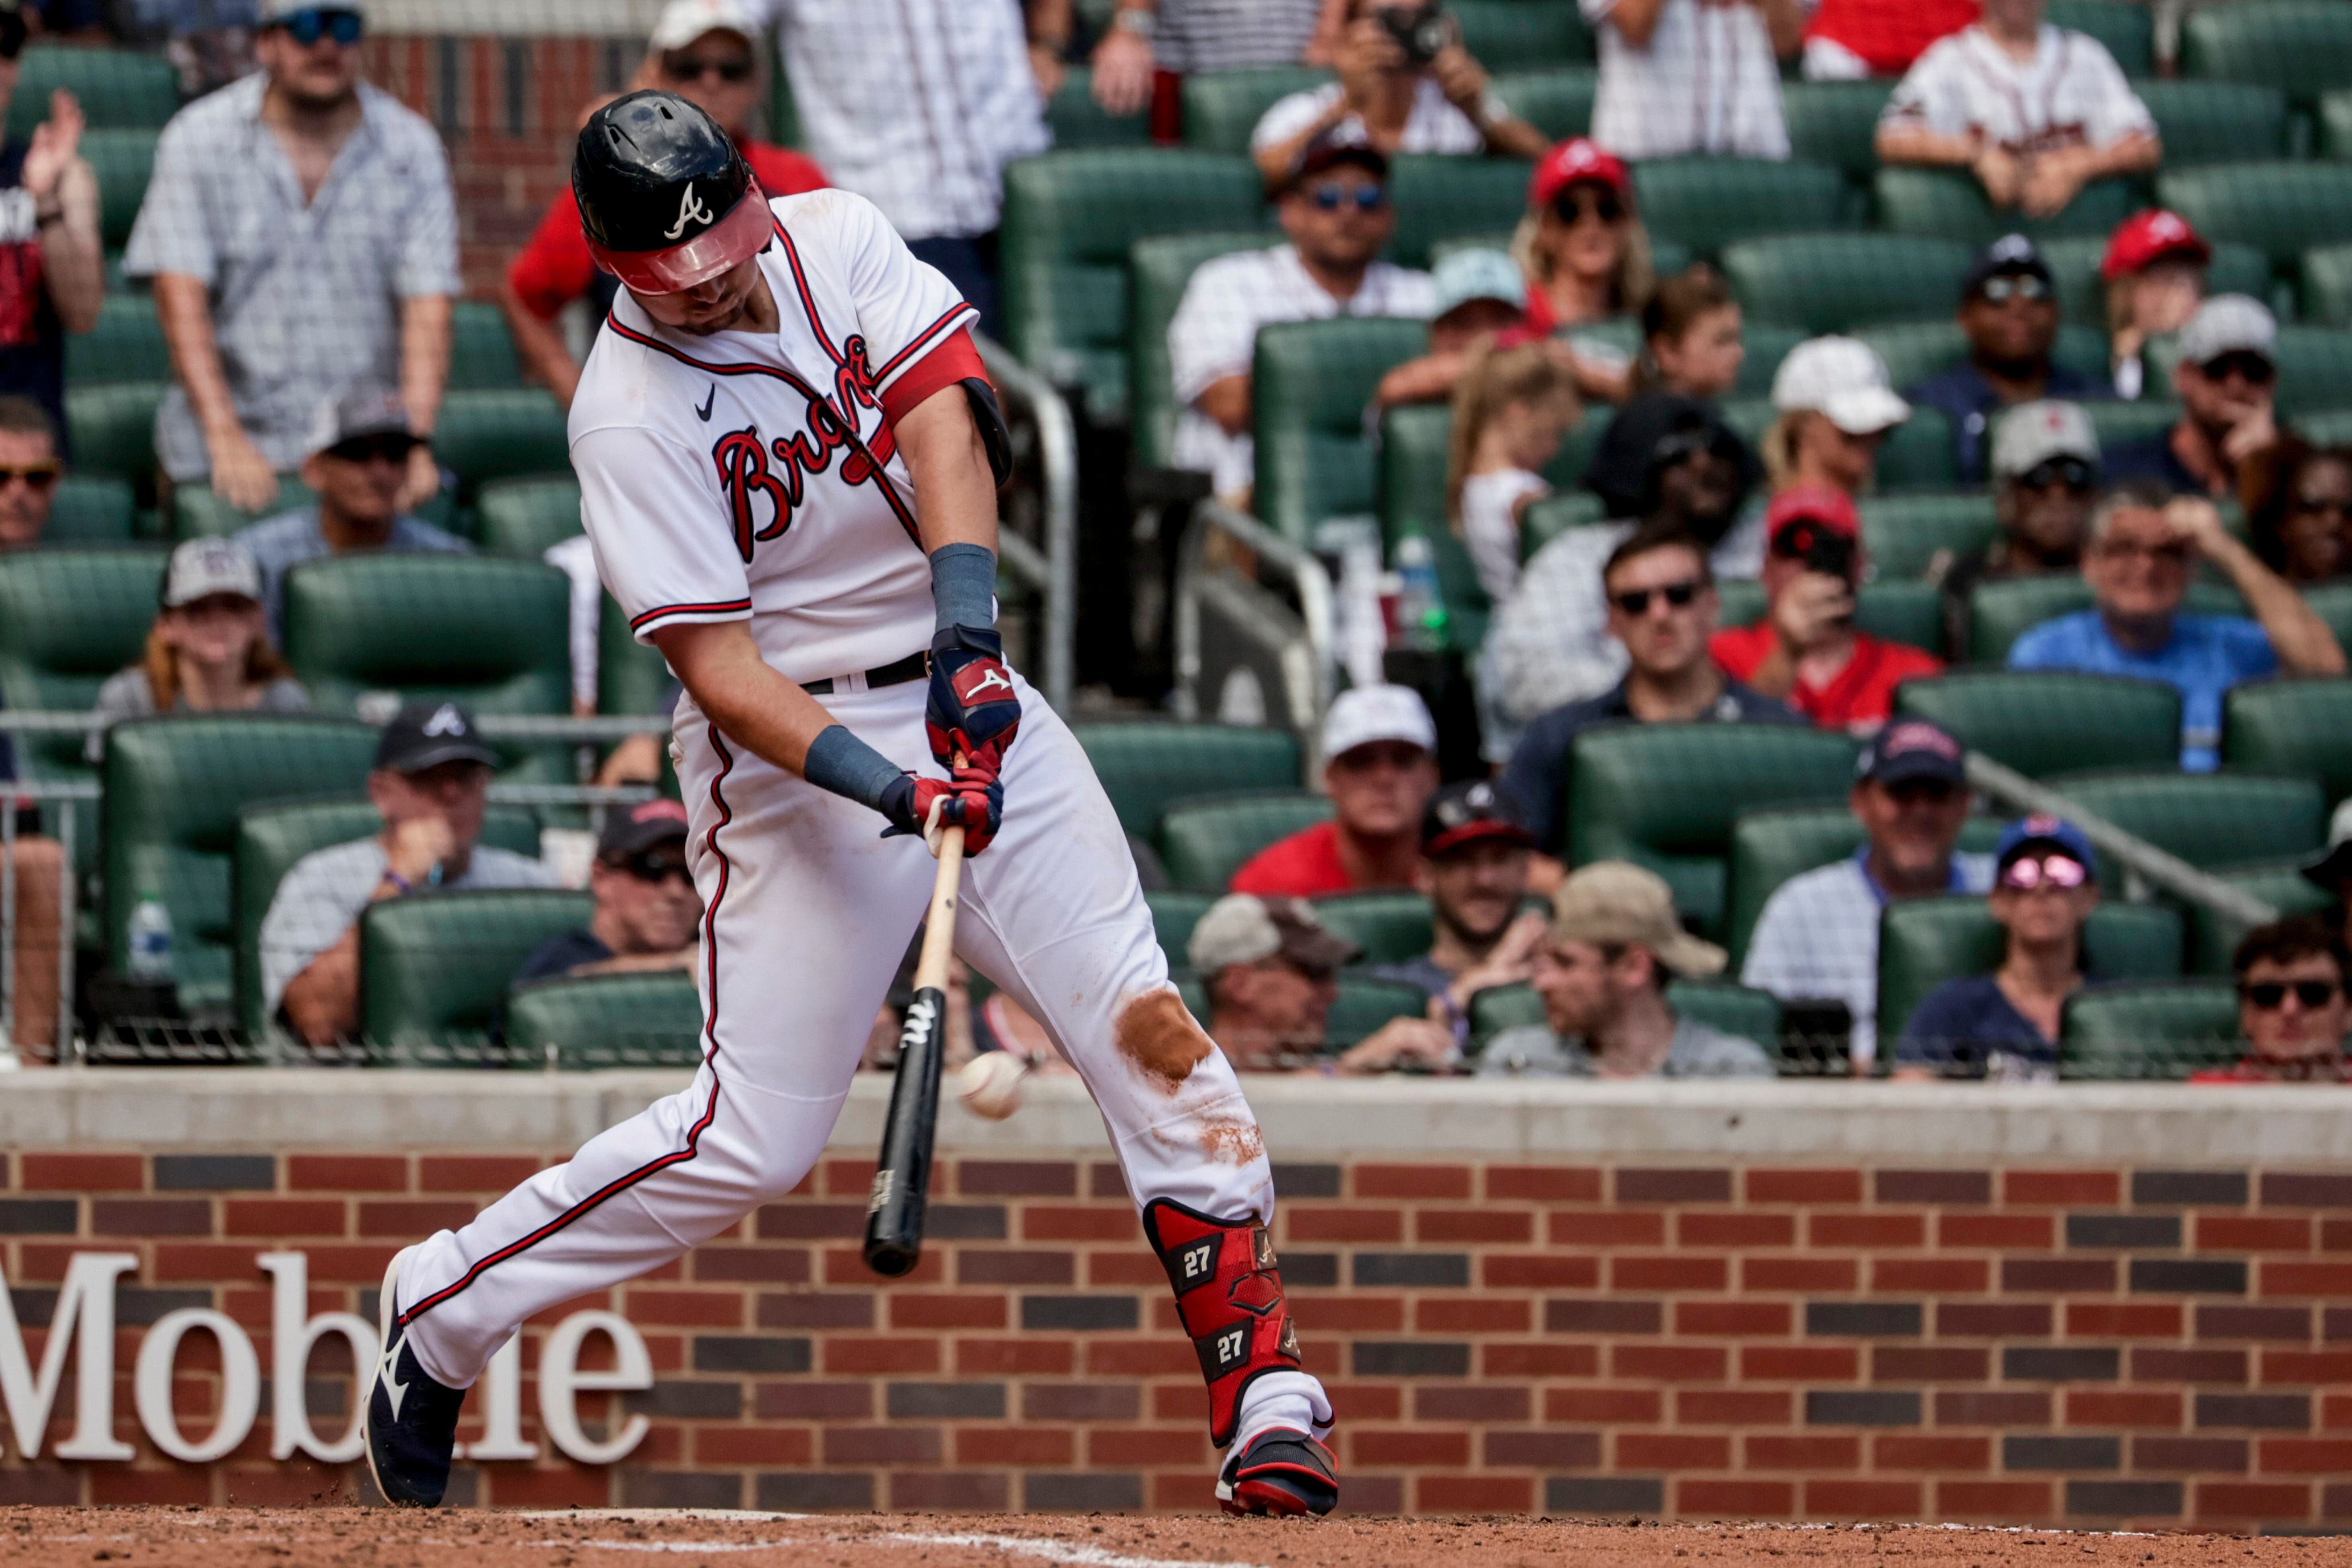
(914, 666)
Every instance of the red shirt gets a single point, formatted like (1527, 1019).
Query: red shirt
(1859, 696)
(1304, 866)
(2249, 1071)
(555, 268)
(1890, 34)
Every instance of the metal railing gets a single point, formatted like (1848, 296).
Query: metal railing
(1049, 565)
(1297, 644)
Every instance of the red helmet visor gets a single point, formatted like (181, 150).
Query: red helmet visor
(724, 246)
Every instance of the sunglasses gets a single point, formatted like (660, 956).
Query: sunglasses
(2001, 290)
(1333, 196)
(39, 478)
(2249, 367)
(2024, 875)
(1572, 208)
(2068, 473)
(2271, 995)
(375, 448)
(1636, 601)
(306, 27)
(652, 865)
(694, 68)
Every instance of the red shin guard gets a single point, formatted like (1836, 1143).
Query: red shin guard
(1229, 1299)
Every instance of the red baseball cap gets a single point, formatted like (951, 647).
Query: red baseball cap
(1821, 504)
(2149, 235)
(1573, 161)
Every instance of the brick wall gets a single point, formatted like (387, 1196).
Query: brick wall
(2111, 1346)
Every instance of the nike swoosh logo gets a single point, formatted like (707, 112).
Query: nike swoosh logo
(703, 413)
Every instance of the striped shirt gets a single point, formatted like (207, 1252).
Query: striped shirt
(1230, 35)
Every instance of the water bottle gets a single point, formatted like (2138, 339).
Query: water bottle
(150, 940)
(1420, 607)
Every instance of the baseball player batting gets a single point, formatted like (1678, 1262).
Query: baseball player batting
(785, 441)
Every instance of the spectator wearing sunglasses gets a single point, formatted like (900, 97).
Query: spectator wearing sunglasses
(706, 51)
(2008, 312)
(646, 909)
(2225, 376)
(2145, 546)
(1334, 210)
(1834, 408)
(1693, 76)
(29, 472)
(2005, 1024)
(2045, 475)
(52, 280)
(300, 236)
(1587, 258)
(2292, 1011)
(2301, 518)
(356, 465)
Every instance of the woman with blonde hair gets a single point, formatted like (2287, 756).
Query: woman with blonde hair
(208, 651)
(1835, 407)
(1511, 410)
(1586, 257)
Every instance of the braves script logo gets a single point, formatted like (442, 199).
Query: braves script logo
(743, 455)
(689, 210)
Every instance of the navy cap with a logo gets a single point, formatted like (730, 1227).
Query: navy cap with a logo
(426, 734)
(1906, 751)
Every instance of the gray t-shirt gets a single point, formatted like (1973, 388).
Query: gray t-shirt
(327, 888)
(127, 695)
(282, 542)
(1695, 1051)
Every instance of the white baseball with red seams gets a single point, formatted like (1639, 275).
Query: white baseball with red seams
(718, 483)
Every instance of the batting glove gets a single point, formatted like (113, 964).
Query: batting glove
(973, 800)
(973, 711)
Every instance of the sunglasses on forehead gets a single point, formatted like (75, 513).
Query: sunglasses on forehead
(2001, 288)
(679, 65)
(2270, 996)
(1636, 601)
(1331, 196)
(308, 26)
(2029, 872)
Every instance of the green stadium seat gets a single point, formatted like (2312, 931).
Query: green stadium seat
(118, 90)
(1413, 463)
(1557, 103)
(2075, 262)
(1500, 1007)
(435, 968)
(68, 619)
(2118, 423)
(2331, 428)
(2278, 208)
(1311, 383)
(2124, 27)
(2213, 936)
(1837, 282)
(111, 429)
(1160, 268)
(1667, 795)
(174, 786)
(123, 160)
(1922, 943)
(600, 1021)
(1740, 1010)
(1950, 206)
(2303, 46)
(127, 344)
(2150, 1030)
(1173, 916)
(1740, 601)
(1917, 454)
(1910, 613)
(481, 349)
(1770, 846)
(2302, 728)
(1391, 928)
(1710, 202)
(1204, 843)
(495, 434)
(2042, 723)
(1905, 533)
(1999, 613)
(1149, 767)
(1525, 36)
(1363, 1005)
(1768, 343)
(197, 512)
(1222, 108)
(2314, 369)
(1071, 219)
(2326, 285)
(1077, 121)
(2215, 122)
(1436, 196)
(2210, 820)
(268, 840)
(631, 678)
(526, 516)
(1836, 123)
(90, 509)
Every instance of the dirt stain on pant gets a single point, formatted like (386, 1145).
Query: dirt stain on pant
(1231, 1142)
(1155, 1033)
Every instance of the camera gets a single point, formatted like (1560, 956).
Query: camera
(1421, 32)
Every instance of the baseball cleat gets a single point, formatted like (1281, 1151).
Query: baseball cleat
(412, 1421)
(1281, 1471)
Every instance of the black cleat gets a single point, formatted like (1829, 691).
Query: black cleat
(412, 1421)
(1281, 1471)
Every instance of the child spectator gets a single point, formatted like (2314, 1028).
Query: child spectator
(1510, 413)
(1691, 343)
(209, 649)
(1478, 293)
(2154, 271)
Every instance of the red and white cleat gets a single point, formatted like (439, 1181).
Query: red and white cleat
(1282, 1471)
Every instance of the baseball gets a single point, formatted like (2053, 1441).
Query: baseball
(990, 1084)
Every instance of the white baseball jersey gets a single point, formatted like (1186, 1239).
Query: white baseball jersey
(2072, 94)
(718, 480)
(1705, 82)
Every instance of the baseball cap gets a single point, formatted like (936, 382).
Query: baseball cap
(426, 734)
(1843, 378)
(2149, 236)
(1363, 714)
(2229, 323)
(363, 411)
(1327, 152)
(1468, 813)
(203, 567)
(1242, 928)
(1477, 273)
(683, 21)
(2010, 253)
(1823, 505)
(1910, 750)
(641, 827)
(2045, 832)
(1577, 159)
(2030, 434)
(1618, 901)
(1652, 432)
(2332, 869)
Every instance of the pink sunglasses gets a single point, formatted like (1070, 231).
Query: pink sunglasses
(2051, 871)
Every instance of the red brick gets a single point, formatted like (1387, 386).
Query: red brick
(2253, 1233)
(2003, 1232)
(1733, 1406)
(347, 1172)
(1673, 1451)
(1614, 1407)
(2146, 1409)
(1416, 1447)
(1669, 1363)
(1533, 1361)
(1800, 1363)
(1723, 1497)
(990, 1178)
(1930, 1364)
(1539, 1272)
(1862, 1500)
(409, 1218)
(1133, 1269)
(2271, 1502)
(687, 1309)
(2165, 1364)
(929, 1311)
(751, 1265)
(2306, 1366)
(1607, 1227)
(1804, 1186)
(1992, 1319)
(1108, 1446)
(2336, 1234)
(845, 1267)
(473, 1172)
(1952, 1276)
(81, 1173)
(855, 1179)
(793, 1446)
(846, 1355)
(1473, 1315)
(1669, 1271)
(1371, 1400)
(285, 1216)
(2124, 1319)
(1014, 1358)
(118, 1485)
(2334, 1411)
(897, 1444)
(1813, 1453)
(1063, 1222)
(1506, 1226)
(1419, 1183)
(1735, 1227)
(2306, 1456)
(1350, 1313)
(1871, 1229)
(1159, 1355)
(1998, 1500)
(1821, 1276)
(1732, 1318)
(2064, 1187)
(1475, 1494)
(1054, 1446)
(1310, 1222)
(1931, 1453)
(2283, 1278)
(1544, 1184)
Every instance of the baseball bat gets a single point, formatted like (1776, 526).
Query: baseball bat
(902, 1178)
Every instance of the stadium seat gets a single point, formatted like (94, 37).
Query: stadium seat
(174, 787)
(2314, 369)
(1837, 282)
(481, 349)
(1203, 844)
(127, 344)
(2281, 884)
(631, 678)
(2325, 285)
(118, 90)
(606, 1021)
(1667, 795)
(2117, 423)
(2210, 820)
(1363, 1005)
(1836, 123)
(90, 509)
(2299, 728)
(435, 968)
(1391, 928)
(1739, 1010)
(494, 434)
(2304, 47)
(1436, 196)
(1767, 344)
(1310, 388)
(1077, 121)
(197, 512)
(1740, 601)
(2216, 122)
(111, 429)
(1911, 613)
(1708, 203)
(123, 160)
(2075, 262)
(2042, 723)
(270, 839)
(1500, 1007)
(525, 516)
(1523, 36)
(2278, 208)
(1222, 108)
(1147, 767)
(1173, 916)
(1771, 845)
(2149, 1030)
(2336, 123)
(1905, 533)
(2332, 428)
(68, 619)
(1557, 103)
(1412, 462)
(1922, 943)
(1917, 454)
(2001, 612)
(1160, 270)
(1950, 206)
(1069, 221)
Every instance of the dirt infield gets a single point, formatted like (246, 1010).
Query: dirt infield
(375, 1538)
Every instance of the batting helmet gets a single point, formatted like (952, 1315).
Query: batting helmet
(667, 200)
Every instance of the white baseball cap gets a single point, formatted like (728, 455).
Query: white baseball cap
(1843, 378)
(203, 567)
(1364, 714)
(1242, 928)
(683, 21)
(2032, 432)
(2229, 323)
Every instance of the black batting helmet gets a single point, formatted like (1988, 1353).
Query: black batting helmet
(667, 200)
